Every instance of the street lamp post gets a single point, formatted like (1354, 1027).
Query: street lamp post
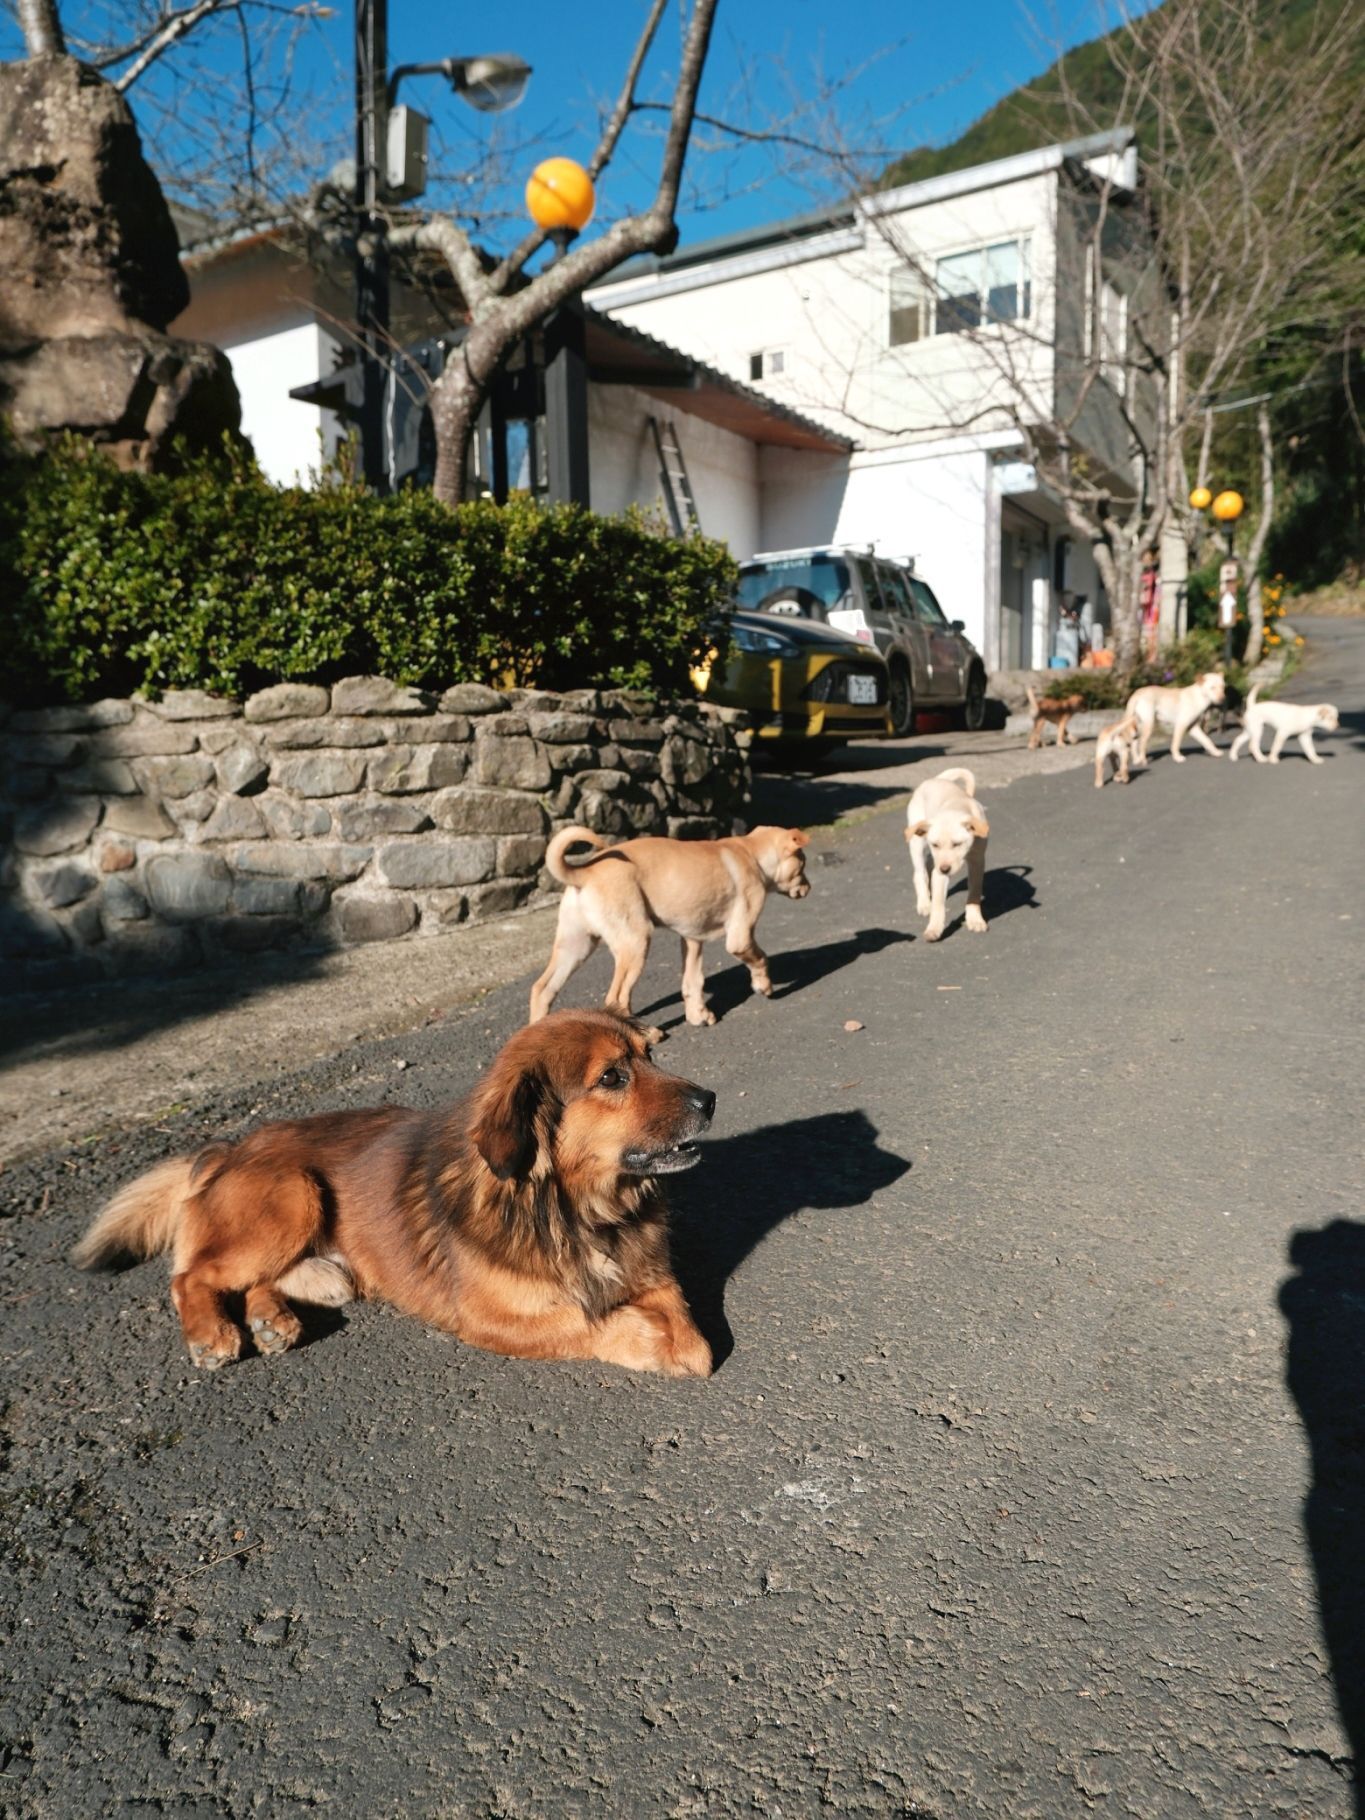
(1227, 509)
(491, 84)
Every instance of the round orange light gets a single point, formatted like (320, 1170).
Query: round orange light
(559, 194)
(1228, 506)
(1201, 499)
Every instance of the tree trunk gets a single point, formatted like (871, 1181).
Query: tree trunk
(455, 402)
(1255, 603)
(1116, 561)
(42, 28)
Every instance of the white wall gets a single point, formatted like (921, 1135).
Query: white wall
(624, 464)
(288, 437)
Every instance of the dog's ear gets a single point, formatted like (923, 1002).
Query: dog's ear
(979, 826)
(798, 838)
(917, 831)
(504, 1131)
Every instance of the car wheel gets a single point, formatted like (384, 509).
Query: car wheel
(901, 702)
(974, 708)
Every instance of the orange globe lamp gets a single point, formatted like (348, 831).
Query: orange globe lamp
(1228, 507)
(560, 196)
(1201, 499)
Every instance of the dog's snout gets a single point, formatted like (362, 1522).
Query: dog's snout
(701, 1100)
(945, 865)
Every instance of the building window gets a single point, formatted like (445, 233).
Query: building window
(988, 284)
(907, 302)
(770, 364)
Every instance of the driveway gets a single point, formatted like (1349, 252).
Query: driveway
(1040, 1299)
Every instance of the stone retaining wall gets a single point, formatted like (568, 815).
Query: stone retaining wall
(150, 835)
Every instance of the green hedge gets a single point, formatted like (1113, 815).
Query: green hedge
(213, 578)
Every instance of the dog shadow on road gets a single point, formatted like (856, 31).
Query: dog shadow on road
(791, 971)
(1325, 1308)
(749, 1184)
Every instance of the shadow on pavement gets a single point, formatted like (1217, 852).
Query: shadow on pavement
(790, 971)
(1325, 1308)
(1005, 889)
(749, 1184)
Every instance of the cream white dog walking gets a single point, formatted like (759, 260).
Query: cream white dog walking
(1179, 709)
(1290, 720)
(947, 829)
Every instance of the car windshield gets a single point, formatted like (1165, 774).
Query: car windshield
(794, 584)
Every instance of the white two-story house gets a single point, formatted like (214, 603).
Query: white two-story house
(938, 327)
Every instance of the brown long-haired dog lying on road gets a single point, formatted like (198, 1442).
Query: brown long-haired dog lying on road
(702, 889)
(525, 1220)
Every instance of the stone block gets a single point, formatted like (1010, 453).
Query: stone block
(327, 730)
(28, 783)
(258, 896)
(443, 909)
(175, 777)
(186, 886)
(241, 769)
(82, 718)
(254, 934)
(148, 947)
(235, 818)
(520, 853)
(140, 818)
(473, 698)
(439, 729)
(28, 934)
(122, 902)
(684, 762)
(195, 808)
(496, 899)
(307, 859)
(365, 817)
(101, 777)
(53, 750)
(194, 704)
(404, 770)
(507, 726)
(63, 884)
(637, 732)
(285, 701)
(146, 737)
(57, 827)
(287, 819)
(571, 758)
(376, 695)
(320, 774)
(218, 735)
(617, 814)
(473, 811)
(517, 763)
(117, 856)
(695, 827)
(84, 924)
(610, 783)
(416, 864)
(376, 919)
(560, 729)
(640, 762)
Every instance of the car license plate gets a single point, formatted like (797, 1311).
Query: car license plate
(862, 691)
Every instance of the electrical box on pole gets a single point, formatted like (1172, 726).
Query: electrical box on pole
(405, 173)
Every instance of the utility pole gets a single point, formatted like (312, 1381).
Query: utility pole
(372, 252)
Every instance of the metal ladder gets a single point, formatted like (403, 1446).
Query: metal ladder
(678, 496)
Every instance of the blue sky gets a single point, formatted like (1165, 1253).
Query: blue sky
(905, 73)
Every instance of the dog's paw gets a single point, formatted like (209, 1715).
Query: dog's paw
(221, 1348)
(933, 935)
(653, 1034)
(690, 1357)
(703, 1018)
(276, 1332)
(977, 924)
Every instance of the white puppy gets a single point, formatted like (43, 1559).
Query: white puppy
(1289, 720)
(1118, 742)
(1178, 709)
(945, 819)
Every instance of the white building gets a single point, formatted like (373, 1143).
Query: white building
(925, 324)
(855, 376)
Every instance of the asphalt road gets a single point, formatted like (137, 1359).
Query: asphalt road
(1043, 1296)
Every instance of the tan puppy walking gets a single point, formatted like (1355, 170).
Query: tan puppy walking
(945, 822)
(1118, 742)
(701, 889)
(1178, 709)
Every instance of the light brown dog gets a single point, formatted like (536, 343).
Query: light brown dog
(527, 1220)
(1052, 710)
(1178, 709)
(1118, 742)
(701, 889)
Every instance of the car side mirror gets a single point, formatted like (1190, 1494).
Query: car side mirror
(958, 625)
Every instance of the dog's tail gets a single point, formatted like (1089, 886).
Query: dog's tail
(559, 846)
(141, 1220)
(1032, 699)
(960, 775)
(1252, 693)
